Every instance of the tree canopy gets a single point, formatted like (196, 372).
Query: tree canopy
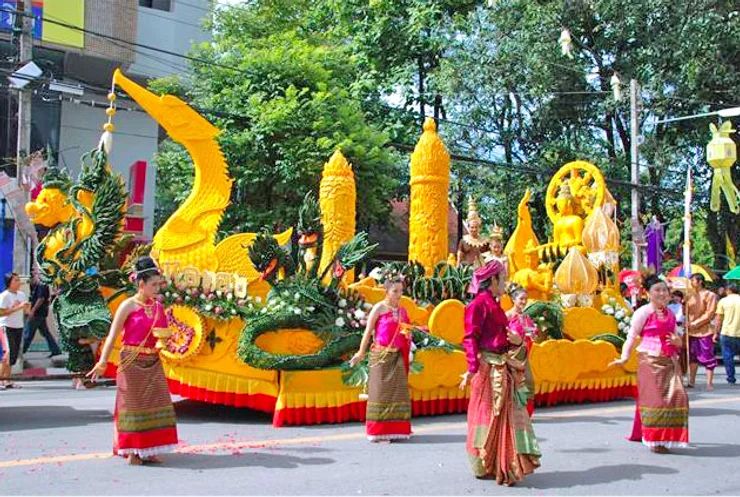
(305, 77)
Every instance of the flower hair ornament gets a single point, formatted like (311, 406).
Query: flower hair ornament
(136, 273)
(513, 289)
(389, 274)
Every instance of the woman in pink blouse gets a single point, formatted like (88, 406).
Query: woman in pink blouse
(522, 325)
(501, 443)
(662, 415)
(389, 403)
(144, 418)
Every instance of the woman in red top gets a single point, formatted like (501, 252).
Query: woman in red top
(501, 442)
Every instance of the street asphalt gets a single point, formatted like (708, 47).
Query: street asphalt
(55, 440)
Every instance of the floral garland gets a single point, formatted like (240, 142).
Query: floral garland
(212, 304)
(180, 341)
(622, 314)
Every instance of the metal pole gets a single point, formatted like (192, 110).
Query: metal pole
(21, 244)
(635, 169)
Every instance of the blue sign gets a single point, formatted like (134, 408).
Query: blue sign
(7, 18)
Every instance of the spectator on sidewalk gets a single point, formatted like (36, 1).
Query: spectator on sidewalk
(700, 308)
(40, 297)
(727, 325)
(13, 305)
(4, 360)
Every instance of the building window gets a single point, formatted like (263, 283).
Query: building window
(165, 5)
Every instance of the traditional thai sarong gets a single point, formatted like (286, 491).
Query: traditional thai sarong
(524, 326)
(144, 416)
(701, 350)
(662, 417)
(700, 311)
(389, 403)
(501, 442)
(662, 414)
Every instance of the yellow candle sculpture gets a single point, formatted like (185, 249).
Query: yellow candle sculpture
(721, 155)
(430, 181)
(337, 199)
(601, 239)
(576, 278)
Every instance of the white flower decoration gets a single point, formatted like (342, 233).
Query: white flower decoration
(360, 314)
(229, 296)
(208, 307)
(339, 322)
(297, 311)
(342, 303)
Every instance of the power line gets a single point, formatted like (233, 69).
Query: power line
(528, 168)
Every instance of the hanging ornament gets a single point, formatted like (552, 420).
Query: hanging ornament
(106, 139)
(721, 155)
(566, 43)
(616, 85)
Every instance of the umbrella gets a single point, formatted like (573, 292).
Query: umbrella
(695, 269)
(733, 275)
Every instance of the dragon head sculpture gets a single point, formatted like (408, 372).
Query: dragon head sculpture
(52, 205)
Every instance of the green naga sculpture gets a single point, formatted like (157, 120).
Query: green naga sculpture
(85, 219)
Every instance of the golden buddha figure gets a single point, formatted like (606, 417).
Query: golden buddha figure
(534, 277)
(568, 225)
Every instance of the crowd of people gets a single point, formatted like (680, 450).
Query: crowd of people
(20, 318)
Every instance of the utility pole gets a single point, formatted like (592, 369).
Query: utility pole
(635, 171)
(24, 24)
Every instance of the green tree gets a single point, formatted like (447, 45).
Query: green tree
(503, 74)
(284, 103)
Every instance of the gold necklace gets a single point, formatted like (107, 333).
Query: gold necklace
(146, 306)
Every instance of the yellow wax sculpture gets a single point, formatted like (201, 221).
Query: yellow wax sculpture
(337, 199)
(576, 275)
(721, 155)
(601, 238)
(430, 181)
(187, 238)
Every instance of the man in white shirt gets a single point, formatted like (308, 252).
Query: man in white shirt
(13, 305)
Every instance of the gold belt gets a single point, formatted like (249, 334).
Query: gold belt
(139, 350)
(380, 348)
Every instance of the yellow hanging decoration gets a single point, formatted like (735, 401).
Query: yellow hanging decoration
(106, 139)
(721, 155)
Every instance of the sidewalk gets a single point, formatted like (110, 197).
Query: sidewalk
(38, 366)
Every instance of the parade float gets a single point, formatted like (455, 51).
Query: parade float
(261, 322)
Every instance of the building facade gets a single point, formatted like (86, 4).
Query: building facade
(78, 44)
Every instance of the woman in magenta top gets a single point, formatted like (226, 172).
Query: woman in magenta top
(662, 415)
(501, 443)
(144, 417)
(389, 403)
